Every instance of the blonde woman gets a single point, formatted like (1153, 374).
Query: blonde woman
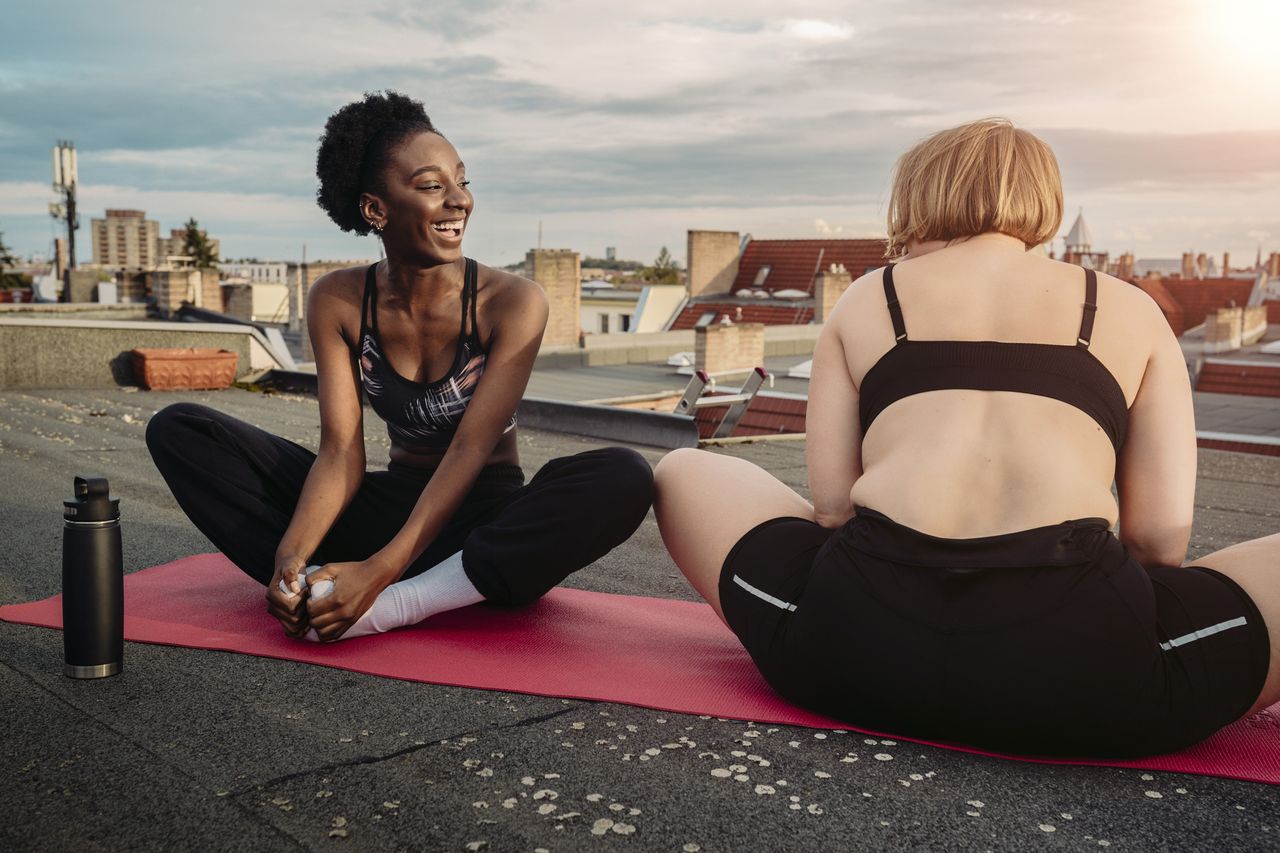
(955, 577)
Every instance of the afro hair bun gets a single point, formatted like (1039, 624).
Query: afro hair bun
(355, 148)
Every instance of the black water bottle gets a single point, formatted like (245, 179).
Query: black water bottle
(92, 581)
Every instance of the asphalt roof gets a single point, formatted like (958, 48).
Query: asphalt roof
(191, 749)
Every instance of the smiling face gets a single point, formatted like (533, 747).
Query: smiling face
(423, 204)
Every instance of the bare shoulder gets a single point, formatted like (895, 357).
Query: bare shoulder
(344, 286)
(1129, 300)
(501, 292)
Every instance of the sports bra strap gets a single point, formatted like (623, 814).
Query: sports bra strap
(469, 282)
(1090, 308)
(895, 310)
(369, 305)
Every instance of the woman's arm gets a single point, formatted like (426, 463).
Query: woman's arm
(522, 309)
(339, 465)
(1156, 474)
(833, 446)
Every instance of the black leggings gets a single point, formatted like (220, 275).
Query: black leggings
(239, 485)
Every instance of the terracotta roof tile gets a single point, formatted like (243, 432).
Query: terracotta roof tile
(1199, 297)
(1248, 379)
(1170, 307)
(770, 313)
(793, 263)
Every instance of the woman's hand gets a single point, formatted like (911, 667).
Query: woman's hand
(288, 608)
(356, 586)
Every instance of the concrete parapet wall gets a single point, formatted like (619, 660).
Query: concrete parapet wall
(647, 348)
(75, 310)
(58, 353)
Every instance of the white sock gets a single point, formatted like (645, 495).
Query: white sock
(442, 587)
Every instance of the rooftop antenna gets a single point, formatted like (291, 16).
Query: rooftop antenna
(65, 180)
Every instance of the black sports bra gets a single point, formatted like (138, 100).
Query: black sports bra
(421, 414)
(1063, 372)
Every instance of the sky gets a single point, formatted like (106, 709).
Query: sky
(626, 124)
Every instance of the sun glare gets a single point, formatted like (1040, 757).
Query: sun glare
(1246, 27)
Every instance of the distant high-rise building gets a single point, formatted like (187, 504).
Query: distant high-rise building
(610, 253)
(125, 239)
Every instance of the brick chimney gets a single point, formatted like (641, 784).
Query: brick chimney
(1124, 266)
(559, 271)
(1226, 264)
(1273, 264)
(828, 284)
(719, 348)
(1188, 265)
(713, 261)
(1202, 265)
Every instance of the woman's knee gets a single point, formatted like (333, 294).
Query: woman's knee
(628, 480)
(166, 425)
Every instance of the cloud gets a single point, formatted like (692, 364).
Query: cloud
(638, 119)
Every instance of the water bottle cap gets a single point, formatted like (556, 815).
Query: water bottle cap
(92, 501)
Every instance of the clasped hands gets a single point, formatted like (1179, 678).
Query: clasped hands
(355, 586)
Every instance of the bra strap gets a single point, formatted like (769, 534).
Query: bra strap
(1090, 308)
(369, 305)
(895, 310)
(469, 282)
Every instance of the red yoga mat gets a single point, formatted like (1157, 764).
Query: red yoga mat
(651, 652)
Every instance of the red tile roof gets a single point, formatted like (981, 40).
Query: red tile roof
(1173, 312)
(1228, 378)
(1200, 297)
(1239, 446)
(770, 313)
(794, 262)
(766, 415)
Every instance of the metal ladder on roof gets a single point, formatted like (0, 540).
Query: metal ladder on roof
(737, 404)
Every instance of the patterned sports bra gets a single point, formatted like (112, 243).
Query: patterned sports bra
(421, 415)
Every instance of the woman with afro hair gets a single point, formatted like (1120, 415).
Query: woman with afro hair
(442, 347)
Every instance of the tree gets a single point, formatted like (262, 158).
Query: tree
(7, 260)
(196, 245)
(664, 270)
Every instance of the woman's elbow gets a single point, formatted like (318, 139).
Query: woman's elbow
(1159, 551)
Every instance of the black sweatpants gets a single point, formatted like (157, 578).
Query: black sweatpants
(239, 485)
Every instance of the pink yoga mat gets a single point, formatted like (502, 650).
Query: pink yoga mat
(651, 652)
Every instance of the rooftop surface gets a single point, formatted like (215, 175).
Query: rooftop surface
(202, 750)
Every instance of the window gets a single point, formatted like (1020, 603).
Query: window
(705, 319)
(761, 275)
(624, 322)
(604, 324)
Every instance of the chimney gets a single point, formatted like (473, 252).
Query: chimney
(1188, 265)
(713, 261)
(559, 271)
(1273, 265)
(720, 349)
(1124, 266)
(827, 287)
(1226, 264)
(1202, 265)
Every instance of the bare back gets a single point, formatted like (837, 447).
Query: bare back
(962, 463)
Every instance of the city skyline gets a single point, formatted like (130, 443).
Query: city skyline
(628, 128)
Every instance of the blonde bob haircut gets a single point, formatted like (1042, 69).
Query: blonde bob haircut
(974, 179)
